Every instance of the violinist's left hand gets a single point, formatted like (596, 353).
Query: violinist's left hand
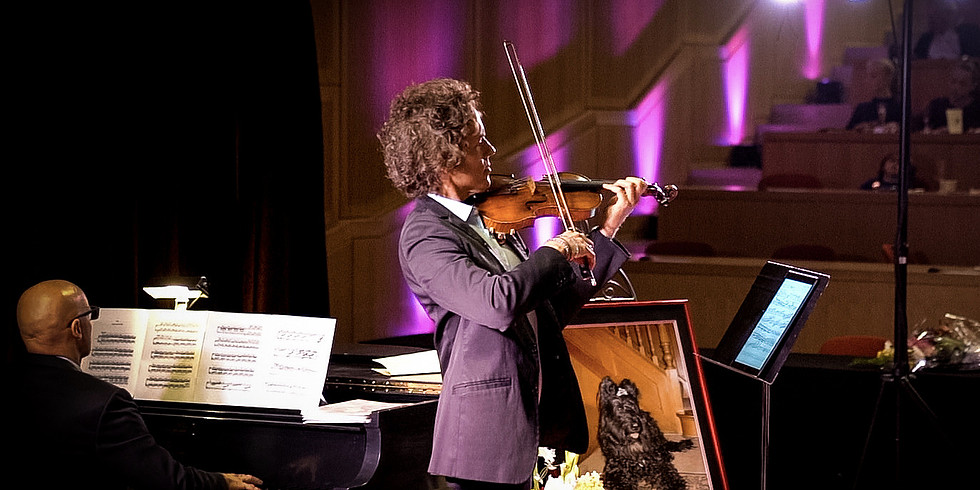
(628, 192)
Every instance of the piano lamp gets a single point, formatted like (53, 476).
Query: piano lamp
(184, 292)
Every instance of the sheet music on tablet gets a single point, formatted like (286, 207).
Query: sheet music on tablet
(240, 359)
(763, 330)
(785, 306)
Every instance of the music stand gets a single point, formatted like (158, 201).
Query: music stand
(764, 329)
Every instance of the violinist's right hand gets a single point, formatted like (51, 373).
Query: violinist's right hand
(575, 246)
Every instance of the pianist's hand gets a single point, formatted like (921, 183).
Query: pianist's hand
(241, 482)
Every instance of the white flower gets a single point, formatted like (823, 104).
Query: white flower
(548, 454)
(558, 484)
(589, 481)
(568, 477)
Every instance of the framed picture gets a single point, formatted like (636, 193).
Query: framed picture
(633, 359)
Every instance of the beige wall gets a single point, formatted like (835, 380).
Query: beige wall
(853, 224)
(586, 86)
(858, 300)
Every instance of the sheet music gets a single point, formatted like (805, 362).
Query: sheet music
(265, 360)
(761, 343)
(171, 354)
(117, 347)
(423, 362)
(239, 359)
(355, 411)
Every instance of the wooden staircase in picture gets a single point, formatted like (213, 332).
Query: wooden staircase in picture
(645, 353)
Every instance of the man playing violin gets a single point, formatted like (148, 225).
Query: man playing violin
(499, 310)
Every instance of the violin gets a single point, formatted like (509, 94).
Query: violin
(511, 203)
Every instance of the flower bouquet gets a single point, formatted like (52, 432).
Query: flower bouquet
(954, 343)
(562, 476)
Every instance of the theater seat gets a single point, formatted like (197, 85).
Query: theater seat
(853, 345)
(915, 257)
(789, 181)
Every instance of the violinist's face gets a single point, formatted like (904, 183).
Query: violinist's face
(472, 175)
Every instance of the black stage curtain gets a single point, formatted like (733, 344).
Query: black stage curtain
(157, 139)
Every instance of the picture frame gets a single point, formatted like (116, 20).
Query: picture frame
(652, 344)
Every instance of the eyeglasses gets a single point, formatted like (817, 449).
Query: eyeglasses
(93, 310)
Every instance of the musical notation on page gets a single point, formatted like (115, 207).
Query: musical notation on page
(240, 359)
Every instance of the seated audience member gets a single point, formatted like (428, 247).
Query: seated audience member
(887, 177)
(948, 36)
(963, 93)
(882, 113)
(72, 430)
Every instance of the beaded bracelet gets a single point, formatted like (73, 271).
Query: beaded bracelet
(567, 249)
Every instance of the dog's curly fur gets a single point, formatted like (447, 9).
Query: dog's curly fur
(632, 443)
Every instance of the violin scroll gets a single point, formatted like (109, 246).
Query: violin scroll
(664, 195)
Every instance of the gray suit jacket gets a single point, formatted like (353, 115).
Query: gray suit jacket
(487, 425)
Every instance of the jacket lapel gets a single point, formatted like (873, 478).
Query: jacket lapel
(483, 256)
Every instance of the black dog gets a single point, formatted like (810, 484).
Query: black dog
(632, 443)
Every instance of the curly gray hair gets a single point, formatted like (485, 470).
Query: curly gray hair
(423, 135)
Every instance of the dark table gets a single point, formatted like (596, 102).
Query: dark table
(823, 411)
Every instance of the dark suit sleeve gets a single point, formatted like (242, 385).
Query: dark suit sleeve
(127, 448)
(610, 256)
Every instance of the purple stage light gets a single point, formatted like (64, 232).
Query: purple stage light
(735, 68)
(627, 20)
(814, 36)
(648, 137)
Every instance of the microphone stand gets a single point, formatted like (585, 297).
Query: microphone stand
(900, 374)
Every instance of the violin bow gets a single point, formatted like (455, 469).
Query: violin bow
(539, 138)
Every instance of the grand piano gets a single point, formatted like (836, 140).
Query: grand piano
(389, 451)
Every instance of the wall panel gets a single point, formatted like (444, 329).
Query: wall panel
(590, 64)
